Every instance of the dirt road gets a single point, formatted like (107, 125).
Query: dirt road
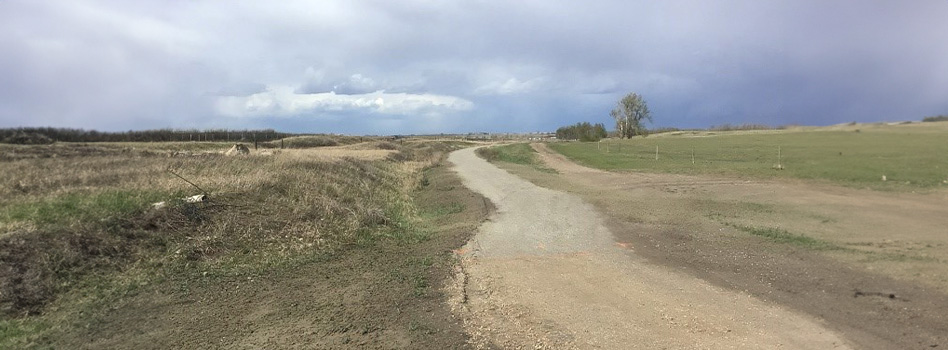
(545, 272)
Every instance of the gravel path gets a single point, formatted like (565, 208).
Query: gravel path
(544, 272)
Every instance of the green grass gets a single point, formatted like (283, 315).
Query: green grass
(911, 157)
(15, 333)
(450, 208)
(518, 153)
(783, 236)
(81, 207)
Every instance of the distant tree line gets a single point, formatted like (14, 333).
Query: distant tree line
(937, 118)
(49, 135)
(582, 131)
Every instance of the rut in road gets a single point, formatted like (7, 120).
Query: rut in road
(545, 272)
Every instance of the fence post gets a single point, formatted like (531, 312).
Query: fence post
(779, 166)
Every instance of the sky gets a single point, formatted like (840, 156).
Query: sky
(425, 66)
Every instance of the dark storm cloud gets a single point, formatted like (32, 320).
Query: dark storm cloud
(419, 66)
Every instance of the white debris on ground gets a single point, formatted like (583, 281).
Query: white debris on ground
(198, 198)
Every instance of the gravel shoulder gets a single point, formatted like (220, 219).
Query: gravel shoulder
(545, 271)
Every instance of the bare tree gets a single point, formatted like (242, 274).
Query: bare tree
(629, 113)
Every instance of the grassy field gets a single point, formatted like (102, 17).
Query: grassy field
(517, 153)
(911, 157)
(78, 231)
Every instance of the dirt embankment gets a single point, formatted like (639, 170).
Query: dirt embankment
(377, 295)
(545, 272)
(878, 276)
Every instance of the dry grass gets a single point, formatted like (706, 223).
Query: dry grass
(329, 153)
(313, 141)
(82, 224)
(374, 145)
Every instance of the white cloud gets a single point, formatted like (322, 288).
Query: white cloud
(284, 101)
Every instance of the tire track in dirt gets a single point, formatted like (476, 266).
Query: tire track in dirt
(545, 272)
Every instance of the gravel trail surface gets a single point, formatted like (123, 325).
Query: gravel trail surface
(545, 272)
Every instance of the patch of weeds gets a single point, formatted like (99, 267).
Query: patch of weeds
(415, 236)
(426, 261)
(450, 208)
(757, 207)
(420, 285)
(420, 277)
(412, 274)
(896, 257)
(780, 235)
(824, 219)
(18, 333)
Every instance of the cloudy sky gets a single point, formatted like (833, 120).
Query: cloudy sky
(426, 66)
